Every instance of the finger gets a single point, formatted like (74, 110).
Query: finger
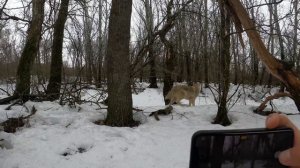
(280, 120)
(290, 157)
(276, 120)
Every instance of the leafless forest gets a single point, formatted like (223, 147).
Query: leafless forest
(50, 49)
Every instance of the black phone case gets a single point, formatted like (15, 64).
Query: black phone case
(202, 147)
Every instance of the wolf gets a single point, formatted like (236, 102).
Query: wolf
(180, 92)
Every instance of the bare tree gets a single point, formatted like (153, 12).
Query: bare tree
(205, 46)
(222, 117)
(53, 88)
(150, 38)
(101, 40)
(30, 50)
(119, 111)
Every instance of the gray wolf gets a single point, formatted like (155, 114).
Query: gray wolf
(180, 92)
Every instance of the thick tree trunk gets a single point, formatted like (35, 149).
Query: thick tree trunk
(119, 111)
(53, 88)
(30, 50)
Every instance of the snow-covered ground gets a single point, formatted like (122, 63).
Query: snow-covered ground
(64, 137)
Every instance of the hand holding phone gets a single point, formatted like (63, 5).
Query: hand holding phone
(291, 156)
(248, 148)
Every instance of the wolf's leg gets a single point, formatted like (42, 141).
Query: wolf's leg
(171, 101)
(178, 101)
(193, 101)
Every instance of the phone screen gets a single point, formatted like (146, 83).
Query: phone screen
(257, 148)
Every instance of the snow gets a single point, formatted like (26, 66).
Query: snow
(64, 137)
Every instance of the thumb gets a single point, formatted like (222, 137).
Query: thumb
(289, 157)
(285, 157)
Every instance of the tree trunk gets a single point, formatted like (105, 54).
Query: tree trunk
(119, 111)
(205, 46)
(295, 39)
(254, 60)
(187, 56)
(149, 22)
(170, 54)
(222, 117)
(168, 80)
(30, 50)
(100, 45)
(152, 78)
(278, 32)
(88, 48)
(236, 63)
(53, 88)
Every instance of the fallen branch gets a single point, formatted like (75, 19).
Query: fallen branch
(11, 124)
(269, 98)
(266, 113)
(14, 103)
(5, 91)
(166, 111)
(7, 100)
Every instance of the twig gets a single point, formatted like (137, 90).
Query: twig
(14, 103)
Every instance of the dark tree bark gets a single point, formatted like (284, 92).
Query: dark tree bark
(30, 50)
(222, 117)
(53, 88)
(119, 111)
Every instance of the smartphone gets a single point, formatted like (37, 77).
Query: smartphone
(250, 148)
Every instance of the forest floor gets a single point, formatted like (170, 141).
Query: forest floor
(66, 137)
